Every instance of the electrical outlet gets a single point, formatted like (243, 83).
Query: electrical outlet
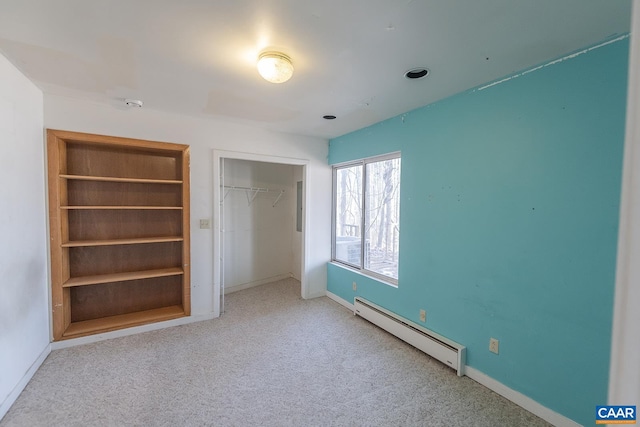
(423, 315)
(494, 345)
(205, 223)
(354, 286)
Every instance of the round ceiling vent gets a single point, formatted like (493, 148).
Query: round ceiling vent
(417, 73)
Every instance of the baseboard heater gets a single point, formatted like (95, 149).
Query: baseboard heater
(448, 352)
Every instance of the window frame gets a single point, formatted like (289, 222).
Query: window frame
(334, 196)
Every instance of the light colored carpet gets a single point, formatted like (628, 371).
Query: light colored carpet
(272, 359)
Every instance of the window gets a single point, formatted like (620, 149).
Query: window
(366, 215)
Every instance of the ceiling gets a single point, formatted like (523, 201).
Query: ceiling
(197, 58)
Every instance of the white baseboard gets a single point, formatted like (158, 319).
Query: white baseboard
(242, 286)
(130, 331)
(520, 399)
(316, 295)
(13, 396)
(340, 301)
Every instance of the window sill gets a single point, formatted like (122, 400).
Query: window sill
(378, 279)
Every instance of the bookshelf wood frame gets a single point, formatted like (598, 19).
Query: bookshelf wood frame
(136, 233)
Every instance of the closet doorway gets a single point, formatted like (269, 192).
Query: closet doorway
(259, 221)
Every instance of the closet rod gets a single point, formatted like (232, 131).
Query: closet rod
(235, 187)
(254, 192)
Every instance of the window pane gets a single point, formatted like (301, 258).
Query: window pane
(382, 217)
(348, 214)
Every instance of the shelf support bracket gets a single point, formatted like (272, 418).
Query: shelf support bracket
(255, 193)
(278, 198)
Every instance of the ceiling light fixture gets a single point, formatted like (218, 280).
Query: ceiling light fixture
(275, 67)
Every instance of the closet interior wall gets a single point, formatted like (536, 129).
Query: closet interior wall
(260, 240)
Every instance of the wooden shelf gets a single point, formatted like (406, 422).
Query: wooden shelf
(121, 277)
(111, 323)
(113, 242)
(119, 223)
(116, 179)
(175, 208)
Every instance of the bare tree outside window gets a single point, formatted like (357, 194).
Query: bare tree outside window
(348, 215)
(371, 228)
(382, 217)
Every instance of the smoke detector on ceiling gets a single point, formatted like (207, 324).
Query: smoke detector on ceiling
(133, 103)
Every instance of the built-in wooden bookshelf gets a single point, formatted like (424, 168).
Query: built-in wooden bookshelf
(119, 224)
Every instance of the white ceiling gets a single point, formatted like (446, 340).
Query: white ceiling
(197, 57)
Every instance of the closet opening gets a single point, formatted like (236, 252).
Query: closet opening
(259, 222)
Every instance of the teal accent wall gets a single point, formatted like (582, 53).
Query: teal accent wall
(509, 218)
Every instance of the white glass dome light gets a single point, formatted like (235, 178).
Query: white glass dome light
(275, 67)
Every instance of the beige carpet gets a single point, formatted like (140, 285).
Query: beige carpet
(272, 359)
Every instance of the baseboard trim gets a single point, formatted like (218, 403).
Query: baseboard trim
(130, 331)
(243, 286)
(15, 393)
(520, 399)
(340, 301)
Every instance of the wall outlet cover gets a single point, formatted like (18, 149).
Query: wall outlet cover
(494, 345)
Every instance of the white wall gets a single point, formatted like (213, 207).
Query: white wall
(296, 238)
(258, 232)
(204, 135)
(624, 376)
(24, 303)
